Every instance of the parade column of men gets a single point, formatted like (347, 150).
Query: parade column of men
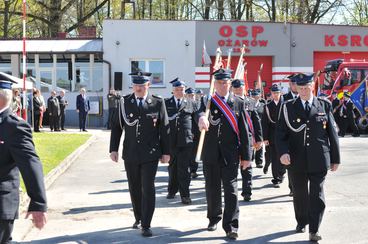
(307, 141)
(227, 141)
(18, 154)
(144, 118)
(181, 113)
(237, 87)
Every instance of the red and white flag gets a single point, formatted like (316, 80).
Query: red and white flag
(241, 73)
(206, 60)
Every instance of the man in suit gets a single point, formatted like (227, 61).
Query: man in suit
(37, 110)
(63, 104)
(82, 108)
(259, 104)
(227, 142)
(269, 120)
(181, 112)
(18, 154)
(254, 124)
(144, 118)
(308, 144)
(53, 108)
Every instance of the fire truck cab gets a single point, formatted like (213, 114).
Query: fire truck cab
(341, 75)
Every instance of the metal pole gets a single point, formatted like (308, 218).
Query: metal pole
(24, 109)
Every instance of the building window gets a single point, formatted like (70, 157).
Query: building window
(156, 67)
(5, 63)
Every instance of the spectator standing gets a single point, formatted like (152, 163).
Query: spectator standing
(82, 108)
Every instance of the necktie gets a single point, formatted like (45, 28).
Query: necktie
(307, 108)
(178, 104)
(140, 105)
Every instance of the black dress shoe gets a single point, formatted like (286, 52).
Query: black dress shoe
(291, 194)
(186, 200)
(247, 198)
(194, 175)
(260, 166)
(85, 130)
(212, 226)
(170, 196)
(300, 229)
(146, 232)
(232, 235)
(265, 170)
(315, 237)
(136, 224)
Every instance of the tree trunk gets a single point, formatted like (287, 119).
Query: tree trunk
(6, 19)
(273, 9)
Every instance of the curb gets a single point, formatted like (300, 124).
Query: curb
(50, 178)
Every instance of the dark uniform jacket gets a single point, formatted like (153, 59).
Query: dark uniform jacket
(315, 147)
(249, 105)
(288, 96)
(181, 122)
(146, 134)
(269, 120)
(18, 154)
(221, 137)
(53, 106)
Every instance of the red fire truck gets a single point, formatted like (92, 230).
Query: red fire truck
(341, 75)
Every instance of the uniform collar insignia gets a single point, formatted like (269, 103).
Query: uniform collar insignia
(132, 101)
(149, 100)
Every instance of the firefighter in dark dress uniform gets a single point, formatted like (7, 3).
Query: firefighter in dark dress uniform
(308, 144)
(144, 118)
(269, 121)
(254, 123)
(347, 116)
(181, 113)
(199, 100)
(227, 140)
(18, 154)
(259, 104)
(292, 94)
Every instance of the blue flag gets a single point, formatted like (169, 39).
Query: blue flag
(359, 98)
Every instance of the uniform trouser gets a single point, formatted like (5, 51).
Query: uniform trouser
(259, 156)
(309, 205)
(141, 180)
(278, 170)
(349, 122)
(179, 174)
(54, 122)
(215, 173)
(194, 163)
(267, 156)
(82, 120)
(246, 181)
(62, 119)
(6, 229)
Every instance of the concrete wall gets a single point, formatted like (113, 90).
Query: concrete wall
(151, 40)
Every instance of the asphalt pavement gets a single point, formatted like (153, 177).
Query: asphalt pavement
(90, 203)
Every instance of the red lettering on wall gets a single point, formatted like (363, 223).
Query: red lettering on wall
(263, 43)
(342, 40)
(226, 31)
(257, 29)
(241, 31)
(365, 40)
(329, 41)
(355, 40)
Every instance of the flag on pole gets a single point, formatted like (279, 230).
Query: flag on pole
(206, 60)
(359, 97)
(241, 73)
